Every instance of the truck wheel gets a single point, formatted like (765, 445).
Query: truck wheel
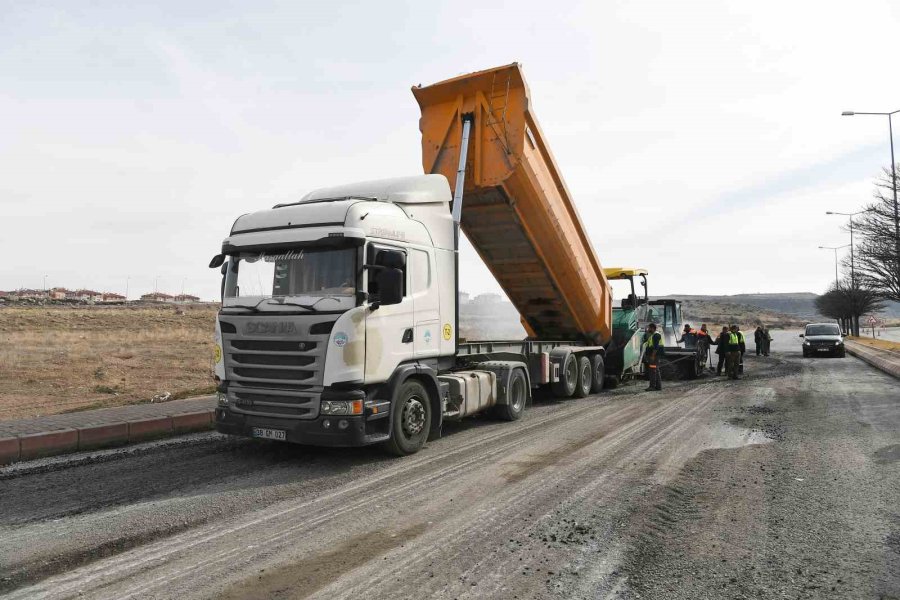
(598, 370)
(568, 377)
(585, 377)
(411, 419)
(516, 397)
(692, 371)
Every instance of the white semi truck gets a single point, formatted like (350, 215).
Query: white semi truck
(339, 323)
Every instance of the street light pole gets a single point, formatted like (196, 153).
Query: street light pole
(852, 260)
(850, 113)
(836, 281)
(835, 248)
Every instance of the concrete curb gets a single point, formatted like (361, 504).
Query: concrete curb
(108, 435)
(880, 359)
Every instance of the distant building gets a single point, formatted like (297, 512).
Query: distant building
(58, 293)
(88, 296)
(157, 297)
(30, 294)
(110, 297)
(464, 297)
(186, 298)
(486, 299)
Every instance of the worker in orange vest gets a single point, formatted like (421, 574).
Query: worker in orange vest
(703, 337)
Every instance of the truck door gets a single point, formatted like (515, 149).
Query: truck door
(426, 304)
(390, 329)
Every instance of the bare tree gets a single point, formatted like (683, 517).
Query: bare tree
(846, 303)
(878, 253)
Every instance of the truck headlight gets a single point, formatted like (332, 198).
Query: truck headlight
(222, 398)
(341, 407)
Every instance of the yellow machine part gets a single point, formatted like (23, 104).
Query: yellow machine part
(516, 209)
(623, 272)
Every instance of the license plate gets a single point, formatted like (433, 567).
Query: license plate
(824, 349)
(269, 434)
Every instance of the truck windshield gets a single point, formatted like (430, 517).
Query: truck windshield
(824, 329)
(313, 273)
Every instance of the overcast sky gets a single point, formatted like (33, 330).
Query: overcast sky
(701, 140)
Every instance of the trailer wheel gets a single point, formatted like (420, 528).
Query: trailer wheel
(598, 368)
(585, 377)
(411, 419)
(568, 377)
(516, 397)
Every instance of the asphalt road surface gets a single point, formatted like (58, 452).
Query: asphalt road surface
(785, 484)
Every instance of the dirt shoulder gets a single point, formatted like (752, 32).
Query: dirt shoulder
(57, 359)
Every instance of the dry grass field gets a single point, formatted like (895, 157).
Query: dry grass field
(877, 343)
(56, 359)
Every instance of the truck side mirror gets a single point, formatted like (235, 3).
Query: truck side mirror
(389, 277)
(801, 335)
(217, 261)
(390, 286)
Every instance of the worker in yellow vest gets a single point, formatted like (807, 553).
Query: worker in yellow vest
(743, 344)
(653, 352)
(733, 353)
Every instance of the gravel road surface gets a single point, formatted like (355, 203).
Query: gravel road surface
(783, 485)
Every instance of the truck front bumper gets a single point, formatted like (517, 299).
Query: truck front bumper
(334, 431)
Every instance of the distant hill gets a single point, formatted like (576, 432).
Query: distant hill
(488, 317)
(801, 304)
(791, 306)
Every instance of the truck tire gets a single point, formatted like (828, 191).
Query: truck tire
(585, 377)
(692, 368)
(598, 369)
(516, 397)
(568, 377)
(410, 419)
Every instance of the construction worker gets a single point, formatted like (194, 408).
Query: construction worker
(653, 352)
(703, 337)
(758, 339)
(688, 336)
(722, 348)
(743, 345)
(733, 353)
(767, 341)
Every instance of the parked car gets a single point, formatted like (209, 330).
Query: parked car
(821, 339)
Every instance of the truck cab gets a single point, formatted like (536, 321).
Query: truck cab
(325, 300)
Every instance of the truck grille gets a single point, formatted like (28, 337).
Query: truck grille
(275, 376)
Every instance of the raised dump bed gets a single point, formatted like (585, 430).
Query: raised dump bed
(517, 211)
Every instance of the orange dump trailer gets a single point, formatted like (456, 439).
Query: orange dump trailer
(516, 209)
